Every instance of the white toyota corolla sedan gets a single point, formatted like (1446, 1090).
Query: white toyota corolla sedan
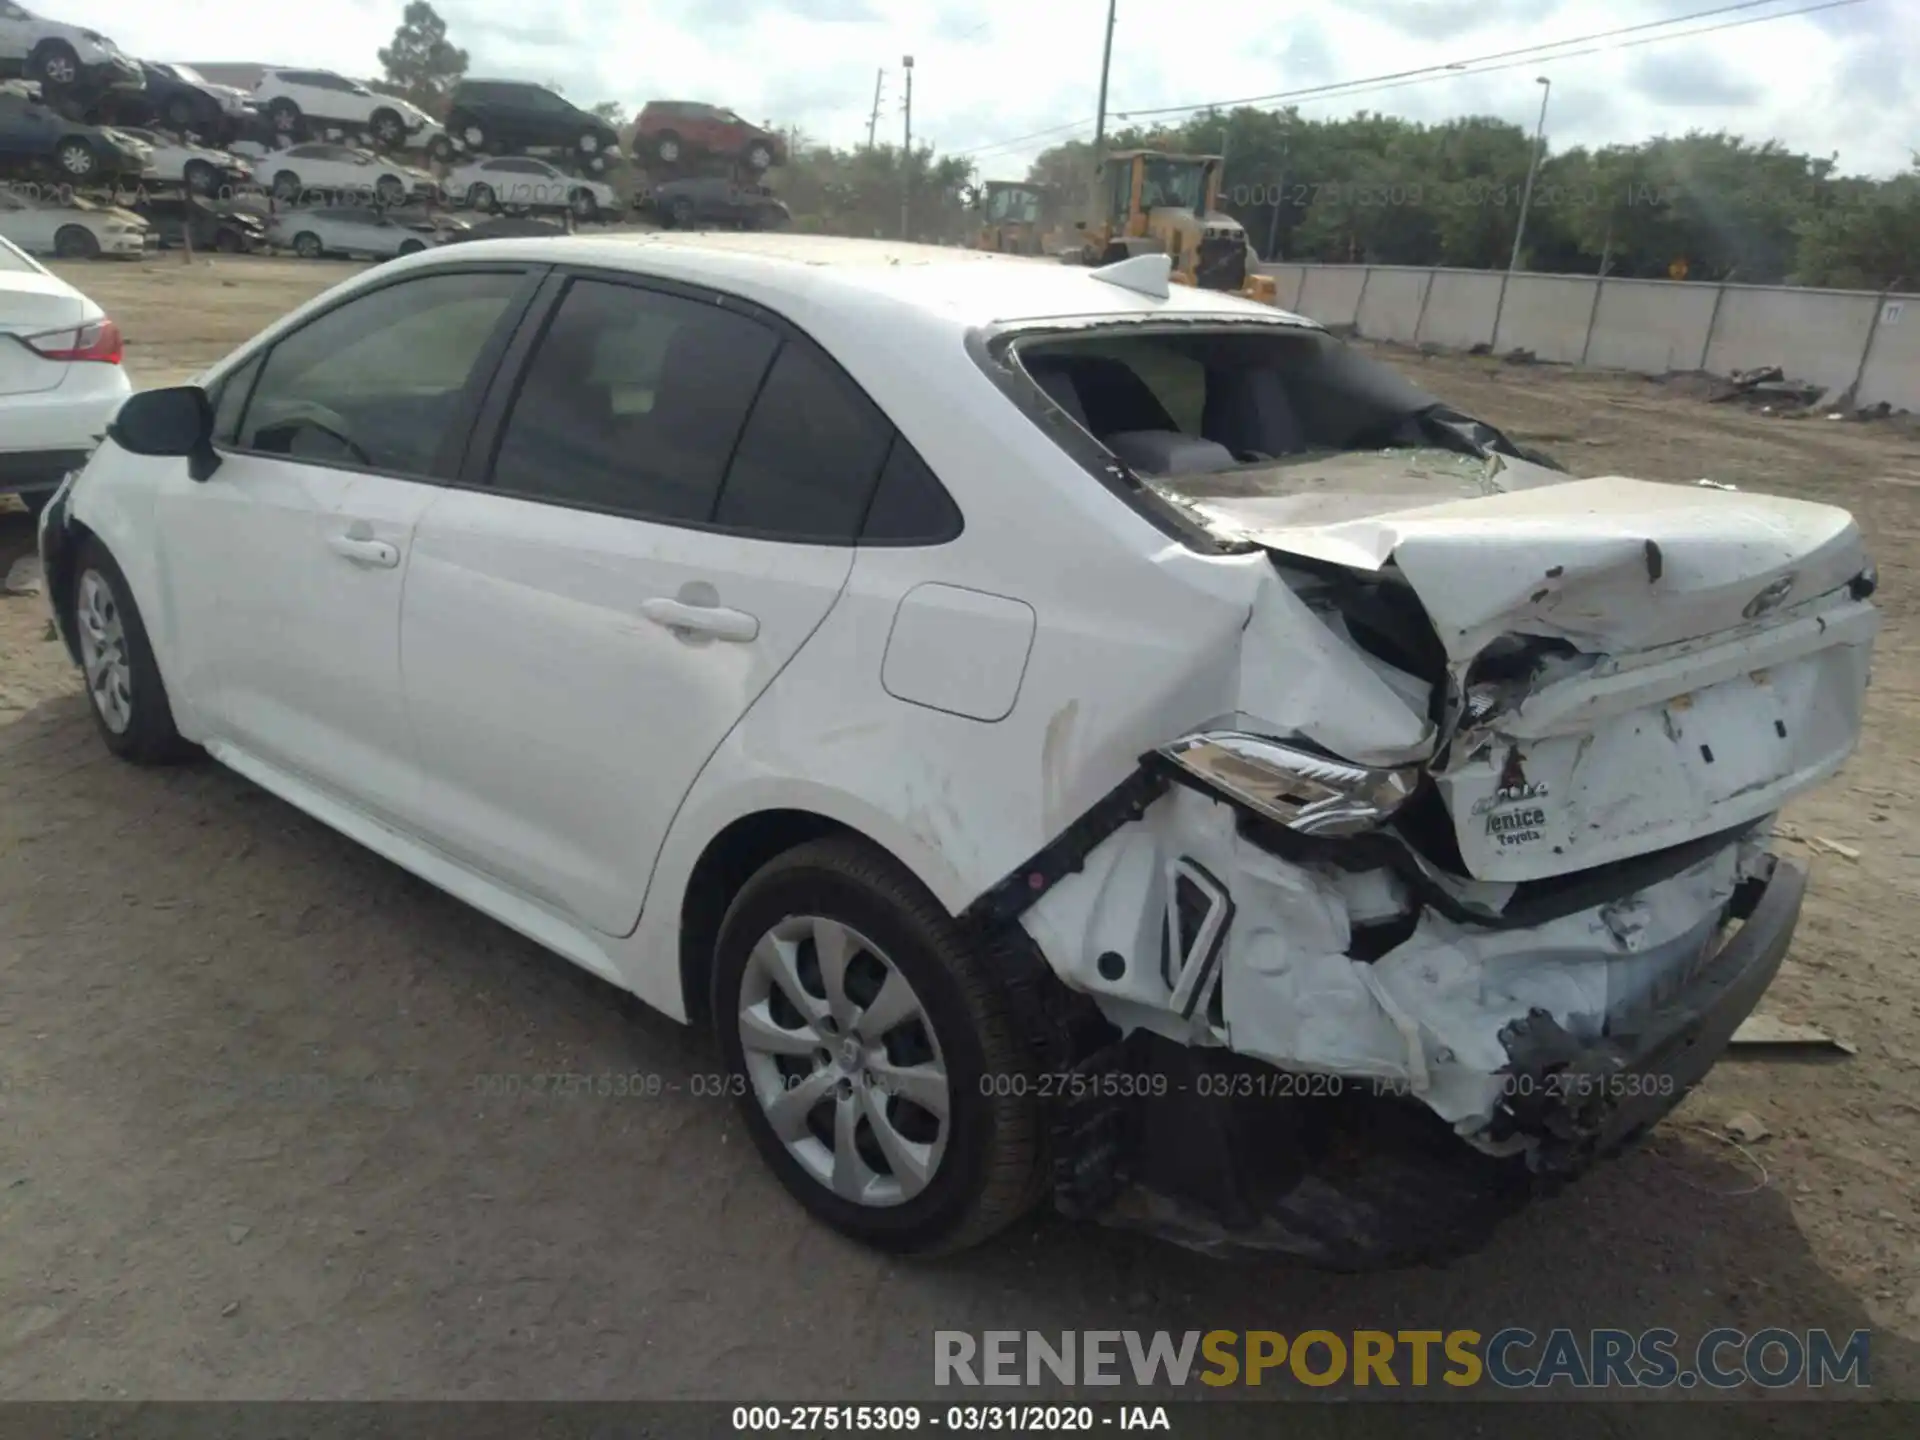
(1070, 736)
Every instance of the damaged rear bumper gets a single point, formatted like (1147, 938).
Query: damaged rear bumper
(1574, 1100)
(1272, 1079)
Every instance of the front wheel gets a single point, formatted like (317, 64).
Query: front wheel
(124, 689)
(76, 242)
(873, 1053)
(585, 206)
(307, 245)
(760, 157)
(201, 178)
(387, 129)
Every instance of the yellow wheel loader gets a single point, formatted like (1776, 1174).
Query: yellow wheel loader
(1014, 215)
(1155, 203)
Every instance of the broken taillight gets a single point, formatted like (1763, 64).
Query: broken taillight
(97, 340)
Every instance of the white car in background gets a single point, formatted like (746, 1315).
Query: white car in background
(521, 183)
(60, 377)
(351, 231)
(322, 168)
(200, 168)
(60, 55)
(72, 228)
(1068, 734)
(300, 101)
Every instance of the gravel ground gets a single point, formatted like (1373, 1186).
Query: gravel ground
(248, 1149)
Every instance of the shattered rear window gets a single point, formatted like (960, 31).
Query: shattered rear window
(1293, 414)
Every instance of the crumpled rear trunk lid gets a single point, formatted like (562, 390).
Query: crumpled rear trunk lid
(1630, 665)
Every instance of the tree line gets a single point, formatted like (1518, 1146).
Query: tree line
(1380, 190)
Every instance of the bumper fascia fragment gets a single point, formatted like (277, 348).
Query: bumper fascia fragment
(1225, 1154)
(1578, 1101)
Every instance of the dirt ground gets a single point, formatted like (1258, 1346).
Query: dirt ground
(246, 1149)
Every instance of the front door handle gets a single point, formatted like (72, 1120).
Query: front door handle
(363, 551)
(713, 620)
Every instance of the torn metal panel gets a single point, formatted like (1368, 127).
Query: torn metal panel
(1425, 1017)
(1610, 564)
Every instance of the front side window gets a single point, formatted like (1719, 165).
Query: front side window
(377, 383)
(633, 403)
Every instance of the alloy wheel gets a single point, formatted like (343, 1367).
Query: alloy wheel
(103, 652)
(842, 1057)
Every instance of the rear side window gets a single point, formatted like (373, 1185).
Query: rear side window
(633, 402)
(911, 506)
(810, 455)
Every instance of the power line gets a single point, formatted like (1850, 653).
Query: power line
(1346, 89)
(1532, 50)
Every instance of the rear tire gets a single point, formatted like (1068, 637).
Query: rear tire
(201, 178)
(585, 208)
(284, 116)
(680, 213)
(307, 245)
(124, 689)
(667, 146)
(481, 198)
(386, 129)
(760, 157)
(914, 1182)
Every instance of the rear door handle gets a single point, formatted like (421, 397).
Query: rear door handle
(714, 620)
(362, 551)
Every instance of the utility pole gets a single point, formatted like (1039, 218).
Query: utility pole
(873, 120)
(906, 156)
(1533, 165)
(1106, 65)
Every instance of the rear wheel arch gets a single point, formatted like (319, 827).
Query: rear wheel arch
(730, 859)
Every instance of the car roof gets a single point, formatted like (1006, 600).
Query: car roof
(829, 274)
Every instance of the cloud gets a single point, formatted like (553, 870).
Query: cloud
(1693, 79)
(1444, 19)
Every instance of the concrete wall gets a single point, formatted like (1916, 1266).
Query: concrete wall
(1331, 293)
(1391, 306)
(1816, 335)
(1546, 314)
(1650, 326)
(1893, 368)
(1460, 309)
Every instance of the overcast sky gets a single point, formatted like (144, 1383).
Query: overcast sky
(990, 71)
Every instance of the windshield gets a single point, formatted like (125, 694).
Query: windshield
(1176, 183)
(1013, 206)
(186, 73)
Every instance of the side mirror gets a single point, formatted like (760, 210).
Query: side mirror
(176, 421)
